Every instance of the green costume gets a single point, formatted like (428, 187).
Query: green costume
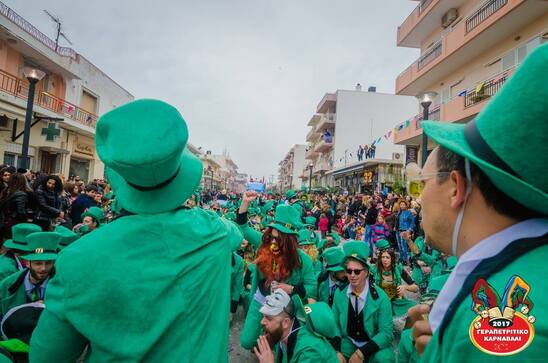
(236, 281)
(333, 259)
(376, 315)
(491, 138)
(303, 279)
(9, 262)
(430, 260)
(406, 349)
(152, 286)
(305, 239)
(96, 213)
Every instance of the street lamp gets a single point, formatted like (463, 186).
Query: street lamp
(310, 166)
(425, 98)
(34, 76)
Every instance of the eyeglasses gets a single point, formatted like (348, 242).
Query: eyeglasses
(416, 179)
(356, 271)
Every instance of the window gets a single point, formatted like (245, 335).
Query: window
(9, 159)
(445, 95)
(88, 102)
(509, 60)
(517, 55)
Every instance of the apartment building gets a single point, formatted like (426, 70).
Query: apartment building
(469, 49)
(67, 103)
(290, 168)
(343, 121)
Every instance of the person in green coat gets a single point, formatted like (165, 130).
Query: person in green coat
(236, 283)
(17, 246)
(153, 285)
(362, 312)
(310, 225)
(279, 263)
(307, 245)
(333, 277)
(29, 285)
(300, 334)
(485, 200)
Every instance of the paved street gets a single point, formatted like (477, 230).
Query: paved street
(238, 354)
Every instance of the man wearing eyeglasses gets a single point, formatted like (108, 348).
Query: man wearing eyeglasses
(362, 312)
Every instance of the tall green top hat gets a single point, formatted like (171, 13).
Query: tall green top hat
(67, 236)
(20, 232)
(43, 246)
(516, 116)
(304, 237)
(318, 317)
(358, 250)
(333, 258)
(290, 194)
(143, 146)
(96, 213)
(286, 219)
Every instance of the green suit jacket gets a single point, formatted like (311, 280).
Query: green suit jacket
(7, 267)
(307, 348)
(529, 264)
(377, 317)
(144, 288)
(11, 299)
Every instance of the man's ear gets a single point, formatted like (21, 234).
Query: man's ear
(457, 189)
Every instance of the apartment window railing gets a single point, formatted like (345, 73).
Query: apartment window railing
(423, 5)
(37, 34)
(484, 12)
(429, 56)
(484, 92)
(19, 88)
(433, 114)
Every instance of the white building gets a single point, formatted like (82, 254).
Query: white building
(290, 171)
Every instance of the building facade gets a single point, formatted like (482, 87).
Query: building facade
(67, 103)
(343, 121)
(469, 49)
(290, 168)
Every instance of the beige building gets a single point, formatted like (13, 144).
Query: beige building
(67, 103)
(469, 49)
(291, 167)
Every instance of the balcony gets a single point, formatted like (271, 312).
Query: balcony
(311, 154)
(19, 88)
(484, 91)
(327, 121)
(312, 135)
(491, 23)
(314, 119)
(327, 103)
(323, 146)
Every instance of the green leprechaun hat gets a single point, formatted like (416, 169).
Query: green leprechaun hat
(143, 147)
(303, 237)
(43, 246)
(382, 244)
(67, 236)
(19, 236)
(358, 250)
(96, 213)
(286, 219)
(516, 116)
(310, 221)
(290, 194)
(317, 317)
(333, 258)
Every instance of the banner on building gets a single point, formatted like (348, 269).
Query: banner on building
(258, 187)
(411, 154)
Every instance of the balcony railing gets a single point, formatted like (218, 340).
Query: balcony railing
(423, 5)
(484, 92)
(37, 34)
(433, 114)
(484, 12)
(429, 56)
(19, 88)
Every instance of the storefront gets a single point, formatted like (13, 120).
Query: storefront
(368, 176)
(83, 152)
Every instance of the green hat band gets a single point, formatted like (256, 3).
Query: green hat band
(286, 225)
(157, 186)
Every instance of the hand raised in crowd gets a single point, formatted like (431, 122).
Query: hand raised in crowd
(422, 333)
(262, 350)
(247, 199)
(341, 357)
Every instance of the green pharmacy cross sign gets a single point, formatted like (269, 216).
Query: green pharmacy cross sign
(51, 131)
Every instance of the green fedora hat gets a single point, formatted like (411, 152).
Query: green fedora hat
(67, 236)
(290, 194)
(19, 236)
(286, 219)
(95, 213)
(333, 258)
(517, 116)
(303, 237)
(317, 317)
(43, 246)
(358, 250)
(143, 147)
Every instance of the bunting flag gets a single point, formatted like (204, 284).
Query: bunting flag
(462, 94)
(378, 140)
(407, 124)
(389, 133)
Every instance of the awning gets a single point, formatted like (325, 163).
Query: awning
(53, 150)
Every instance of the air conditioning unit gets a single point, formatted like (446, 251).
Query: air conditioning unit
(449, 17)
(397, 156)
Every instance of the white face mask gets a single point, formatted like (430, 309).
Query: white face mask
(458, 223)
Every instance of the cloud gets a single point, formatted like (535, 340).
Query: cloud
(246, 75)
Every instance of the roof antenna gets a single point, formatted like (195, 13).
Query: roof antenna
(59, 30)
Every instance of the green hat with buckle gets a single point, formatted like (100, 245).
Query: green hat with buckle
(290, 194)
(67, 236)
(286, 220)
(382, 244)
(333, 258)
(19, 234)
(143, 146)
(317, 317)
(43, 246)
(304, 237)
(96, 213)
(516, 116)
(358, 250)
